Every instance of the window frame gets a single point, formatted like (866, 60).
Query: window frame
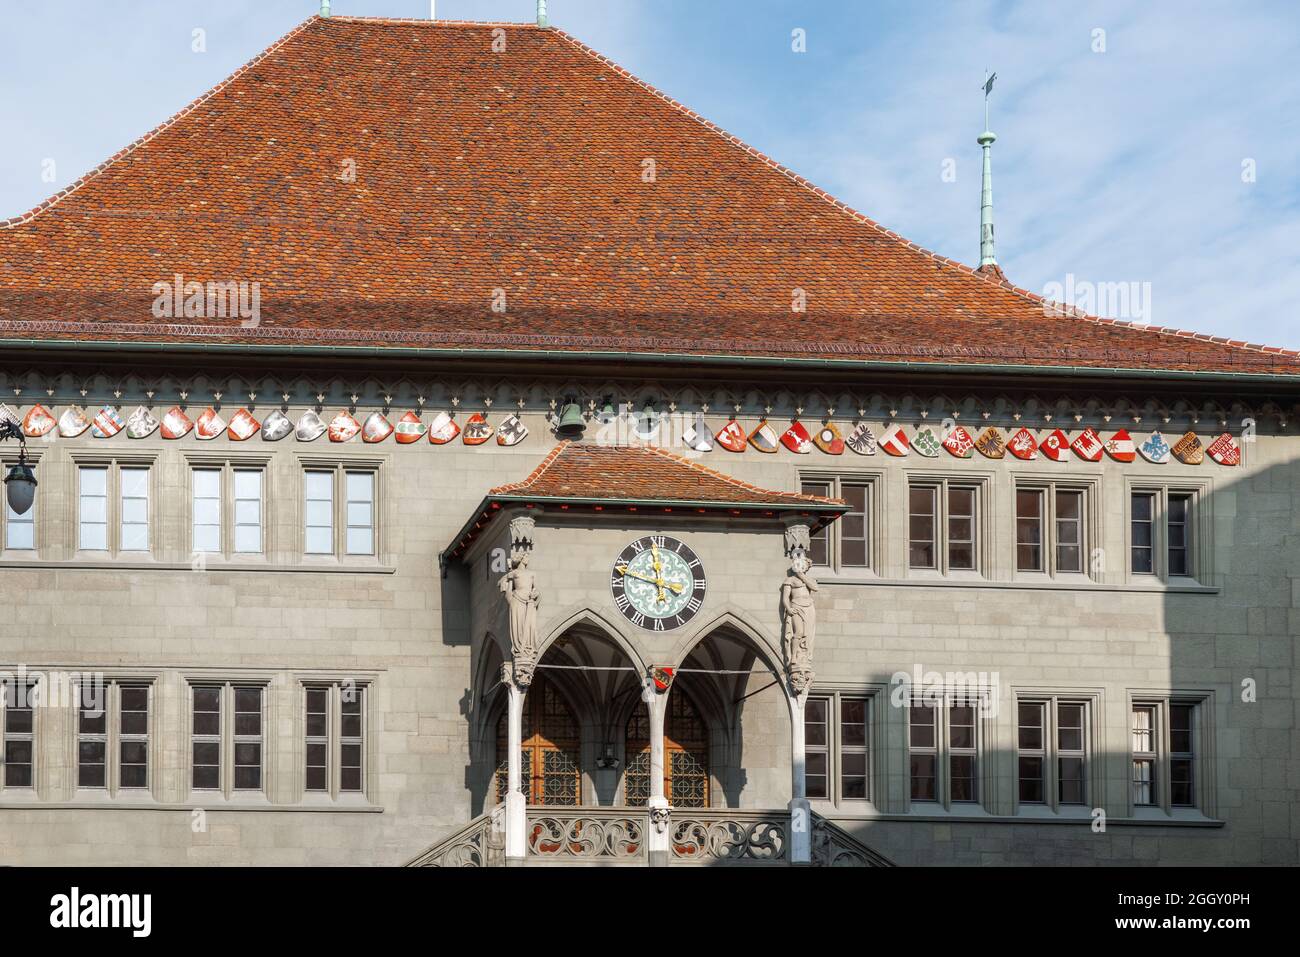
(1051, 752)
(227, 739)
(1199, 528)
(33, 516)
(942, 484)
(113, 466)
(1048, 487)
(944, 751)
(1162, 755)
(334, 739)
(32, 738)
(835, 748)
(228, 465)
(870, 481)
(112, 738)
(339, 469)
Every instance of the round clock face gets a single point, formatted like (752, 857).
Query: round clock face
(658, 583)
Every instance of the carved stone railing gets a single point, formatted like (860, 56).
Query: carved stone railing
(480, 843)
(729, 836)
(601, 835)
(832, 846)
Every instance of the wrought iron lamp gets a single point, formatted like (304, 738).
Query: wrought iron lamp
(20, 483)
(607, 761)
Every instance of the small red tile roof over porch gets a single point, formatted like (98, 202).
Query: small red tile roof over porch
(580, 477)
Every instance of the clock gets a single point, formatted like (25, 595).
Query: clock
(658, 583)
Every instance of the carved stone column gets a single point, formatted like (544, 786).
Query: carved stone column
(798, 632)
(516, 800)
(657, 843)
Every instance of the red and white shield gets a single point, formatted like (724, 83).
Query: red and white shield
(343, 427)
(1088, 446)
(1023, 445)
(894, 440)
(1120, 447)
(731, 437)
(243, 426)
(409, 428)
(797, 439)
(73, 422)
(107, 423)
(959, 443)
(477, 429)
(38, 421)
(443, 429)
(176, 424)
(1056, 446)
(1225, 450)
(210, 424)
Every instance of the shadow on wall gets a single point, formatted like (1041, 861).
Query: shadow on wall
(1234, 652)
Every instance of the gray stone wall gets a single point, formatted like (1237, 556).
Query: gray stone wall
(416, 637)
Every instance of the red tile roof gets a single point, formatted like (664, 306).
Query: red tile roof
(577, 471)
(479, 173)
(585, 478)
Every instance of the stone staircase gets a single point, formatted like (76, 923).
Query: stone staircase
(616, 836)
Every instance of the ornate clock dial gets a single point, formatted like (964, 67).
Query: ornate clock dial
(658, 583)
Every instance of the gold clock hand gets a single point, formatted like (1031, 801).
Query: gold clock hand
(624, 570)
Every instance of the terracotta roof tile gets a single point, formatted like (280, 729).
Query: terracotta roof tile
(576, 470)
(519, 171)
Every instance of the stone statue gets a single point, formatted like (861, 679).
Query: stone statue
(519, 585)
(799, 621)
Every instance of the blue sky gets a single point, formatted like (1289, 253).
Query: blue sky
(1123, 157)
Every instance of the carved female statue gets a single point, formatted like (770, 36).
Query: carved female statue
(520, 588)
(798, 615)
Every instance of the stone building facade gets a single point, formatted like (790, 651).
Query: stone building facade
(297, 650)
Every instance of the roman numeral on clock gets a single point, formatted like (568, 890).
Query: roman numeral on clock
(694, 605)
(622, 601)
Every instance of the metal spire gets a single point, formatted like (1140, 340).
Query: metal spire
(986, 140)
(324, 8)
(541, 14)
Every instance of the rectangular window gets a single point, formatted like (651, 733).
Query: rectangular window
(1070, 753)
(360, 513)
(1142, 514)
(320, 513)
(819, 545)
(1182, 792)
(248, 738)
(1029, 530)
(318, 740)
(923, 743)
(921, 527)
(854, 782)
(92, 743)
(135, 509)
(248, 511)
(1032, 751)
(328, 707)
(206, 742)
(961, 754)
(854, 549)
(1144, 755)
(1180, 534)
(20, 530)
(92, 513)
(350, 738)
(207, 510)
(17, 731)
(133, 736)
(1069, 530)
(961, 528)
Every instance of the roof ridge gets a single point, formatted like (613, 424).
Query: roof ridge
(803, 182)
(152, 134)
(425, 21)
(731, 479)
(535, 474)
